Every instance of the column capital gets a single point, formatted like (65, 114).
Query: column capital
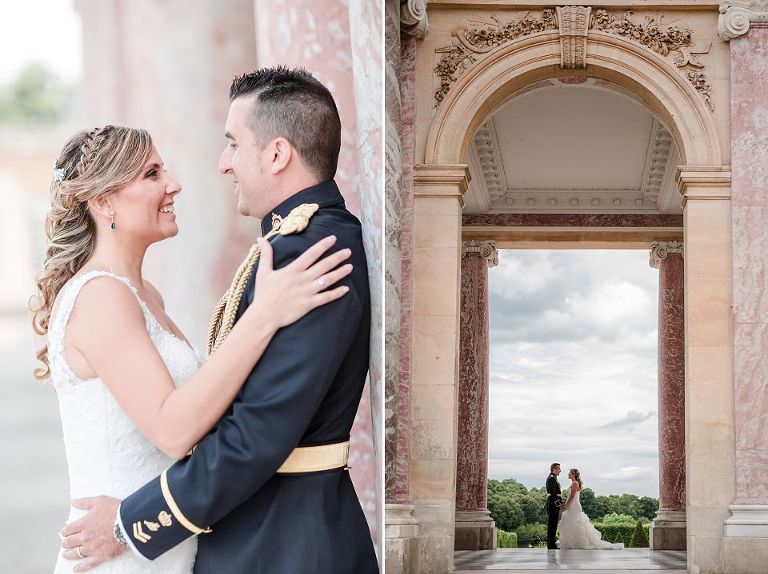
(485, 249)
(413, 18)
(660, 250)
(736, 17)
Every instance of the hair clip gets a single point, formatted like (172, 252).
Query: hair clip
(58, 174)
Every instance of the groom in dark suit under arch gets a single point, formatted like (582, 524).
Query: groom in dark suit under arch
(552, 506)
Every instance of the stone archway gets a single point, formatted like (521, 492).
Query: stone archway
(705, 186)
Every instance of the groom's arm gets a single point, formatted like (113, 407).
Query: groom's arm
(263, 426)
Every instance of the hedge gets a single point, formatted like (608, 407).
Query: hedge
(621, 533)
(506, 539)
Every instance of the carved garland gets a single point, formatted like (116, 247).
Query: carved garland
(471, 43)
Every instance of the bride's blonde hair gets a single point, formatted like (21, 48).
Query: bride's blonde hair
(577, 476)
(91, 164)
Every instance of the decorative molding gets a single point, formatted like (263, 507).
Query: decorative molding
(747, 521)
(651, 34)
(413, 18)
(663, 41)
(736, 17)
(572, 220)
(573, 24)
(472, 42)
(487, 148)
(659, 149)
(660, 250)
(485, 249)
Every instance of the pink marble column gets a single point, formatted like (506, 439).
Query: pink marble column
(749, 149)
(474, 528)
(668, 529)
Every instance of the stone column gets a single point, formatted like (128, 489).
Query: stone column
(709, 435)
(402, 528)
(437, 227)
(668, 528)
(475, 529)
(746, 530)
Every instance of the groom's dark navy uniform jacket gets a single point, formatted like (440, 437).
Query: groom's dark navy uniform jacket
(304, 391)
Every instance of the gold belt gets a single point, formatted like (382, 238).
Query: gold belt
(316, 458)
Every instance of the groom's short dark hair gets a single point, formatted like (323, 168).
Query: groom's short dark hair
(553, 465)
(294, 105)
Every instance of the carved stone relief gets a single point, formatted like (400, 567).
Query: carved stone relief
(474, 40)
(574, 24)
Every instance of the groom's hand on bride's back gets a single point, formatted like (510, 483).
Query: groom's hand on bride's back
(91, 539)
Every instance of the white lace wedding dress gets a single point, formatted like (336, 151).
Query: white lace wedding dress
(106, 453)
(577, 532)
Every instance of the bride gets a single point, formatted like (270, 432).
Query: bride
(115, 358)
(576, 531)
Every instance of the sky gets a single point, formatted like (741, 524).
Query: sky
(46, 31)
(573, 368)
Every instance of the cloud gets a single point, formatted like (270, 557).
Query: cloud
(629, 422)
(573, 368)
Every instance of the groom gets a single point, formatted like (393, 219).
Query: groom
(268, 490)
(552, 506)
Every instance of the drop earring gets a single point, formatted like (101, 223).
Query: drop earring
(112, 225)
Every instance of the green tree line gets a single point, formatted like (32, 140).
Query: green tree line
(513, 506)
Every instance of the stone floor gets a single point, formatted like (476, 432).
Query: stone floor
(522, 560)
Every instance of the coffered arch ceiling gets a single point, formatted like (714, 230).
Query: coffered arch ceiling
(573, 145)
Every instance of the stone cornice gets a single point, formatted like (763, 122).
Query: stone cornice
(736, 17)
(413, 17)
(485, 249)
(704, 182)
(441, 180)
(660, 250)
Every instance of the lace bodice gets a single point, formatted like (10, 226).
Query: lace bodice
(577, 532)
(106, 453)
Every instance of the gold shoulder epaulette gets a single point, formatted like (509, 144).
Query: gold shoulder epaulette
(223, 317)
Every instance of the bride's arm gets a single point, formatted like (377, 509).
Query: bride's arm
(573, 489)
(110, 332)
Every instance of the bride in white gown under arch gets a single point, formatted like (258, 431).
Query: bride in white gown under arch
(576, 530)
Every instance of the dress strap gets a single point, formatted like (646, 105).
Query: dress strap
(69, 296)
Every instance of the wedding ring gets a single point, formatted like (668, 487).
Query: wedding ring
(321, 282)
(80, 554)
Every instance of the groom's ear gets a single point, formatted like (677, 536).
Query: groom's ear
(281, 153)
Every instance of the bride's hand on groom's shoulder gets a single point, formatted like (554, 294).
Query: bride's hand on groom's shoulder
(287, 294)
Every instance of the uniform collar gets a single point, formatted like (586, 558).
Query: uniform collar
(325, 194)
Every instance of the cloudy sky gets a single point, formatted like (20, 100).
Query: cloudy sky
(573, 368)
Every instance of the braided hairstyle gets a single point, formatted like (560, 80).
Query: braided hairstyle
(577, 476)
(92, 163)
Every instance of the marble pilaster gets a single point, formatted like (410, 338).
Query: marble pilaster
(475, 530)
(668, 528)
(746, 529)
(403, 544)
(438, 202)
(709, 434)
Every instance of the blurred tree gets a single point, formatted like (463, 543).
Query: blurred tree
(36, 95)
(589, 503)
(506, 512)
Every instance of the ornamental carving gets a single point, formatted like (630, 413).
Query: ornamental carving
(662, 40)
(470, 43)
(485, 249)
(736, 17)
(573, 23)
(661, 249)
(413, 17)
